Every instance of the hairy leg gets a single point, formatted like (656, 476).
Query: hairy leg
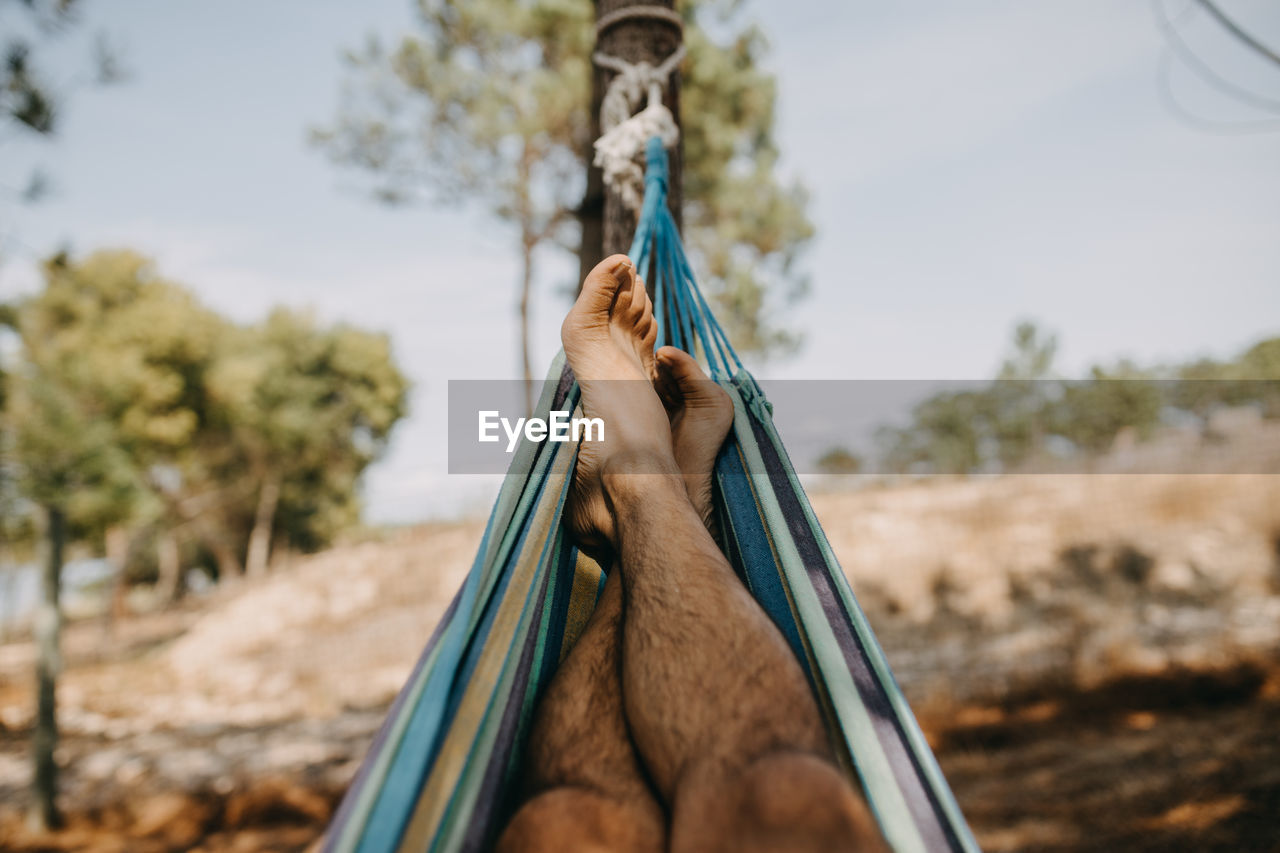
(717, 705)
(587, 787)
(716, 702)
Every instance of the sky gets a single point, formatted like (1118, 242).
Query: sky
(971, 164)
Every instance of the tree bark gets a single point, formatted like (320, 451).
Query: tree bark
(117, 555)
(170, 584)
(526, 288)
(229, 567)
(528, 241)
(259, 553)
(44, 813)
(634, 40)
(591, 211)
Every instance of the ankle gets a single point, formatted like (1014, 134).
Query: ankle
(640, 462)
(640, 473)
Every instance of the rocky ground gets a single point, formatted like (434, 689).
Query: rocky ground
(1093, 658)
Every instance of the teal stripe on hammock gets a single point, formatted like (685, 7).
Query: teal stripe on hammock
(880, 783)
(807, 565)
(344, 836)
(545, 461)
(462, 802)
(454, 825)
(530, 457)
(685, 287)
(412, 752)
(387, 813)
(872, 652)
(423, 735)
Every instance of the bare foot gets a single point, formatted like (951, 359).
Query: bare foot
(608, 339)
(701, 413)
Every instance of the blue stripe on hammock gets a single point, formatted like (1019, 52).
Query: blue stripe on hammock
(929, 817)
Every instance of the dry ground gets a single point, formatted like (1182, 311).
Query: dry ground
(1094, 659)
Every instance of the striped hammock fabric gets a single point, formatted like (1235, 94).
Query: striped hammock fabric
(441, 772)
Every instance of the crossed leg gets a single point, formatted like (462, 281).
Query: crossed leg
(589, 790)
(717, 707)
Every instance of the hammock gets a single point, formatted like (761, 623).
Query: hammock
(441, 773)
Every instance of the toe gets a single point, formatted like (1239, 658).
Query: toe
(639, 298)
(629, 307)
(683, 368)
(606, 283)
(667, 387)
(693, 385)
(648, 305)
(649, 335)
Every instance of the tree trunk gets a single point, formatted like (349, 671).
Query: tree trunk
(215, 538)
(632, 40)
(229, 567)
(117, 554)
(526, 288)
(528, 240)
(171, 584)
(44, 813)
(255, 564)
(591, 211)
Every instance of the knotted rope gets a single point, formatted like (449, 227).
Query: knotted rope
(625, 132)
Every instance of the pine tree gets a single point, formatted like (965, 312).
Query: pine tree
(487, 104)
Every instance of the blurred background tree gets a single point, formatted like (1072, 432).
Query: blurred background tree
(30, 104)
(30, 108)
(70, 465)
(64, 463)
(1091, 414)
(1027, 412)
(306, 408)
(134, 413)
(839, 460)
(487, 104)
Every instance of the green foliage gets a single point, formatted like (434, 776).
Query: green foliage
(29, 102)
(838, 460)
(945, 436)
(1031, 356)
(309, 406)
(1024, 412)
(744, 227)
(1091, 414)
(1261, 361)
(27, 99)
(131, 403)
(64, 413)
(69, 458)
(488, 102)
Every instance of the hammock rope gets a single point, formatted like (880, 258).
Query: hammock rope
(625, 132)
(441, 774)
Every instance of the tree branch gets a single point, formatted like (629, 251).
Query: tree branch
(1235, 29)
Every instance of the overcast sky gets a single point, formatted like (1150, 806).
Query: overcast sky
(971, 163)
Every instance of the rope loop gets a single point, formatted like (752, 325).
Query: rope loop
(624, 133)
